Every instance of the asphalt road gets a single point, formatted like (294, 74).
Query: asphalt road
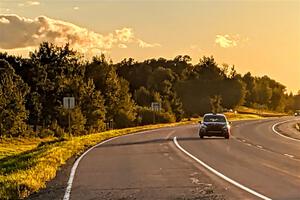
(150, 166)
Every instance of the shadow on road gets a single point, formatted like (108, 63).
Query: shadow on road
(160, 140)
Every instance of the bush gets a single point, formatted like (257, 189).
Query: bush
(123, 119)
(46, 133)
(77, 120)
(58, 131)
(147, 116)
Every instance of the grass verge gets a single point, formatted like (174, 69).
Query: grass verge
(27, 164)
(259, 112)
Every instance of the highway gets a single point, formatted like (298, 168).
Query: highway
(156, 165)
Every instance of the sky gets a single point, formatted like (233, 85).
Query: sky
(262, 37)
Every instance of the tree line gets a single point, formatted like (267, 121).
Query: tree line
(120, 94)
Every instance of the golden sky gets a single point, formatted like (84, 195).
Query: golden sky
(262, 37)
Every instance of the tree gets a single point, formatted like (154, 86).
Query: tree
(92, 105)
(207, 69)
(13, 114)
(117, 98)
(50, 66)
(215, 103)
(143, 97)
(126, 108)
(249, 80)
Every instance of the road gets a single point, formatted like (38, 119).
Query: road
(150, 166)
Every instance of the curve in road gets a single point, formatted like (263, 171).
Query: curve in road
(150, 166)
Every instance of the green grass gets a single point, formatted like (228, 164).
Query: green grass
(14, 146)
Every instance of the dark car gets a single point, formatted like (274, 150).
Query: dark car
(214, 125)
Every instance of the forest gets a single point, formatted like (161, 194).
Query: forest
(120, 94)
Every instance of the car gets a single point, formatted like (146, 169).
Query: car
(297, 113)
(215, 125)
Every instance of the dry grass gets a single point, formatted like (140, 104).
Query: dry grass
(260, 112)
(234, 117)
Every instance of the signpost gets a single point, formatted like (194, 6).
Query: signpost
(69, 103)
(156, 107)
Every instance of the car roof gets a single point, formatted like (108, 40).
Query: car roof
(214, 114)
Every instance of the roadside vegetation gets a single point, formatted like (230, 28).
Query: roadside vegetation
(35, 136)
(27, 164)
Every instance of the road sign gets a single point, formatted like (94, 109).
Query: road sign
(69, 102)
(156, 106)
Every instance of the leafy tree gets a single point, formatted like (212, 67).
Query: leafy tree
(126, 108)
(215, 103)
(102, 91)
(207, 69)
(143, 97)
(51, 65)
(13, 114)
(57, 73)
(117, 99)
(92, 105)
(297, 101)
(249, 80)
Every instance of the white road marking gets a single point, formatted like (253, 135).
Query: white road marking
(289, 155)
(278, 123)
(73, 170)
(220, 174)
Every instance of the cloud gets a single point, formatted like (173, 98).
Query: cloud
(125, 35)
(122, 46)
(29, 3)
(196, 48)
(227, 41)
(4, 20)
(33, 3)
(4, 10)
(20, 32)
(144, 44)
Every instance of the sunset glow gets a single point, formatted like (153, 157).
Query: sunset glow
(262, 37)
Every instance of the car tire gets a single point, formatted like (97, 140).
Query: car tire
(201, 136)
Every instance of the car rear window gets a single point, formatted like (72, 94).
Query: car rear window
(214, 118)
